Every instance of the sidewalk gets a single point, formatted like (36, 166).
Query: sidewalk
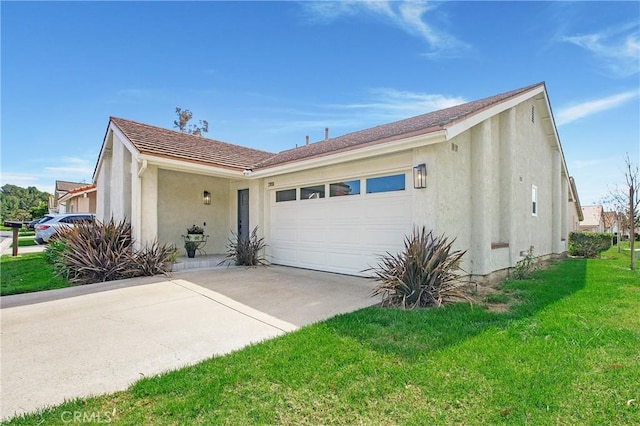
(5, 248)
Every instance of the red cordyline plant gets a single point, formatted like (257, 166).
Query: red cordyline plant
(424, 274)
(92, 252)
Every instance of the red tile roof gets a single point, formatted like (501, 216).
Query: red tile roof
(84, 188)
(172, 144)
(182, 146)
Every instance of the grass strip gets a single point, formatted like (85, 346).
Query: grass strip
(27, 273)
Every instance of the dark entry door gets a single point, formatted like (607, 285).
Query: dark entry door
(243, 213)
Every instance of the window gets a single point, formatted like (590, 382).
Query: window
(385, 184)
(534, 200)
(286, 195)
(351, 187)
(311, 192)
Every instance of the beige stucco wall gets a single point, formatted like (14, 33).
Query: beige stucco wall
(179, 205)
(484, 190)
(82, 204)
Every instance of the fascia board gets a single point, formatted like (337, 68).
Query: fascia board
(114, 130)
(354, 154)
(188, 167)
(125, 141)
(464, 125)
(69, 195)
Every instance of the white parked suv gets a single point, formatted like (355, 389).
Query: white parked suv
(48, 226)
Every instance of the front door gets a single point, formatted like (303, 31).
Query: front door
(243, 213)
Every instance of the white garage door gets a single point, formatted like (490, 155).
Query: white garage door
(344, 234)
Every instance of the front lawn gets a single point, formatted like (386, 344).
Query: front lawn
(566, 352)
(27, 273)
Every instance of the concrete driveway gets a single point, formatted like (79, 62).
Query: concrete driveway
(89, 340)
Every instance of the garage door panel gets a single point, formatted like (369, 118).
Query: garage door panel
(339, 234)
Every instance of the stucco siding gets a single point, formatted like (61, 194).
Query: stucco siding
(180, 205)
(449, 192)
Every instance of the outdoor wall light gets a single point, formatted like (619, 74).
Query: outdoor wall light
(420, 176)
(206, 197)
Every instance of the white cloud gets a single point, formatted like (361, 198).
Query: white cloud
(618, 48)
(575, 112)
(394, 103)
(406, 15)
(72, 169)
(379, 106)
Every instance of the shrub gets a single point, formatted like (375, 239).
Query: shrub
(423, 274)
(588, 244)
(92, 252)
(246, 251)
(151, 260)
(524, 267)
(53, 255)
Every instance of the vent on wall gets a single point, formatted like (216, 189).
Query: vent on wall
(533, 114)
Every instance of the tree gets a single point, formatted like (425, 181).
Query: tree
(626, 202)
(17, 203)
(182, 123)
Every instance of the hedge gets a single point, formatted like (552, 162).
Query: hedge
(588, 244)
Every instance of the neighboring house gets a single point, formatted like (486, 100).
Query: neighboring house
(575, 213)
(593, 219)
(490, 173)
(611, 222)
(80, 200)
(62, 188)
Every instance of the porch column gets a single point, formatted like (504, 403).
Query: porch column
(481, 199)
(148, 205)
(556, 191)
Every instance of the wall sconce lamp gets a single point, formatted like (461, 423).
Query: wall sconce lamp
(420, 176)
(206, 198)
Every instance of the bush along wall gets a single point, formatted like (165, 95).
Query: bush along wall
(588, 244)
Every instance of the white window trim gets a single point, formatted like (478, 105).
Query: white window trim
(534, 200)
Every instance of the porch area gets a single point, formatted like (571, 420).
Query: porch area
(202, 261)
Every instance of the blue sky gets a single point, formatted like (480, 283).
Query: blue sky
(265, 74)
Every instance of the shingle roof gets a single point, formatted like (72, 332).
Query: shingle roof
(171, 144)
(592, 215)
(422, 124)
(65, 186)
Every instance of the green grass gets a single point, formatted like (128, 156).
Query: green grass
(27, 273)
(25, 242)
(566, 353)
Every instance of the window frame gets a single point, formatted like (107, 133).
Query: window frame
(373, 178)
(295, 195)
(345, 182)
(313, 189)
(534, 200)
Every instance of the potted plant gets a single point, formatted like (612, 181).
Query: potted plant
(190, 247)
(171, 259)
(193, 240)
(194, 233)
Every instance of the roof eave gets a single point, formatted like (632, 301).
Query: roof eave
(458, 127)
(193, 167)
(351, 154)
